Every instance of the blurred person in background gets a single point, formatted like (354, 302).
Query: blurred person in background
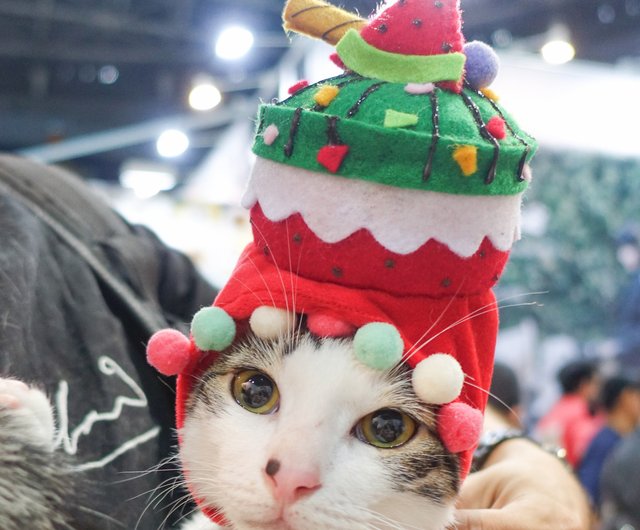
(572, 422)
(620, 486)
(620, 399)
(504, 409)
(624, 347)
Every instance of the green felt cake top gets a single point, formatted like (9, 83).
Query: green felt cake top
(409, 136)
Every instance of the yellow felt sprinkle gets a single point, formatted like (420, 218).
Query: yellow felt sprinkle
(488, 93)
(326, 95)
(467, 158)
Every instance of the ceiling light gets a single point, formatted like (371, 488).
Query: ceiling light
(172, 143)
(204, 96)
(558, 52)
(107, 75)
(234, 43)
(147, 179)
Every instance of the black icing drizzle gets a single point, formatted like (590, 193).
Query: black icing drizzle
(295, 123)
(356, 107)
(475, 111)
(435, 135)
(332, 130)
(527, 146)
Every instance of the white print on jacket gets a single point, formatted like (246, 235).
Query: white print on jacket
(68, 439)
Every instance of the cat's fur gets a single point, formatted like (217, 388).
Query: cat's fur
(324, 392)
(34, 485)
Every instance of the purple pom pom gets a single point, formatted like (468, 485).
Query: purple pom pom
(482, 64)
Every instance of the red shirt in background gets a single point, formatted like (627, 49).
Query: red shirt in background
(571, 425)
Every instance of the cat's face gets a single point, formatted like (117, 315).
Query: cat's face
(297, 435)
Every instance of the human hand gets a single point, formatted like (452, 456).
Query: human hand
(522, 487)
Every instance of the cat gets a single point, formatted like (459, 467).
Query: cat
(296, 434)
(287, 434)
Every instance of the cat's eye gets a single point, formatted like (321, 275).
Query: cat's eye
(386, 428)
(255, 391)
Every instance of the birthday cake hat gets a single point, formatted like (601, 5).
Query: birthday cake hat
(384, 203)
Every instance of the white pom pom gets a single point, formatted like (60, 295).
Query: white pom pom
(270, 322)
(438, 379)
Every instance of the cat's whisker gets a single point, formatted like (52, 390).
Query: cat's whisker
(484, 391)
(489, 308)
(426, 333)
(238, 280)
(156, 468)
(178, 504)
(277, 267)
(494, 304)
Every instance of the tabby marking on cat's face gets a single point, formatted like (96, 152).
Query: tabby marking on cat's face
(297, 435)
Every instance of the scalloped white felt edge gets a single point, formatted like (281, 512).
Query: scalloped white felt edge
(401, 220)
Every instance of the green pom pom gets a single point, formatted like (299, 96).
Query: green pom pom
(213, 329)
(378, 345)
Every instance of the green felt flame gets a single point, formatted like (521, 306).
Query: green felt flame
(368, 61)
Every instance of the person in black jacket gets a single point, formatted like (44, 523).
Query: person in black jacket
(81, 292)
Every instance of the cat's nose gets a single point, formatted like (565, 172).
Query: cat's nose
(289, 484)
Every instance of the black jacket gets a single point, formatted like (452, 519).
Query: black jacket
(80, 293)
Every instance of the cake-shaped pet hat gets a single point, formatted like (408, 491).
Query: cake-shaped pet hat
(384, 204)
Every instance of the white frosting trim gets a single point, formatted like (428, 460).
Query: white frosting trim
(401, 220)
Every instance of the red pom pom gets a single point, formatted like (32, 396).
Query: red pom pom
(298, 86)
(169, 352)
(459, 426)
(332, 156)
(328, 326)
(496, 127)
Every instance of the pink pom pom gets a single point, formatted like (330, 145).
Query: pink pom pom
(169, 352)
(327, 326)
(459, 426)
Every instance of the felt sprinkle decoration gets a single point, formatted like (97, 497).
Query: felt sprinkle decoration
(419, 88)
(270, 322)
(213, 329)
(438, 379)
(326, 94)
(395, 119)
(490, 94)
(497, 128)
(270, 134)
(467, 158)
(298, 87)
(378, 345)
(332, 156)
